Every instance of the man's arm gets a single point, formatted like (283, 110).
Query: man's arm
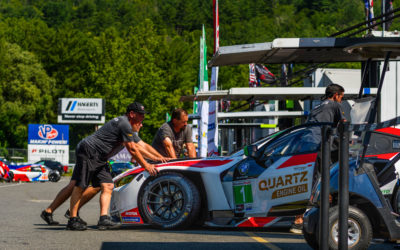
(167, 143)
(133, 150)
(149, 152)
(191, 149)
(156, 153)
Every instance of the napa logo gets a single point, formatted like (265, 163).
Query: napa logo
(47, 132)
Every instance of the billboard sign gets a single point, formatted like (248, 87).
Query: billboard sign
(81, 110)
(38, 152)
(48, 134)
(48, 142)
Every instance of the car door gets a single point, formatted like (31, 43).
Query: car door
(279, 179)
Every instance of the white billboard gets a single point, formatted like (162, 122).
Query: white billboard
(81, 110)
(37, 152)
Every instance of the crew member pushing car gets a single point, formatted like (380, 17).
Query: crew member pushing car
(172, 135)
(91, 166)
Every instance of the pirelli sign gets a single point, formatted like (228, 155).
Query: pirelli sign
(81, 110)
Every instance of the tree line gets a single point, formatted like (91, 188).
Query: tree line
(126, 50)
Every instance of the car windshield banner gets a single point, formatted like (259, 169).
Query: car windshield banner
(48, 134)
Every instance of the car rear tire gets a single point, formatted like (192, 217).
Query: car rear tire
(54, 176)
(169, 201)
(359, 229)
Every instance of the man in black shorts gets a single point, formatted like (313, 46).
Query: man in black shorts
(145, 149)
(91, 165)
(172, 135)
(330, 110)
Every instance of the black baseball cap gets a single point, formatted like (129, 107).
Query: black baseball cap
(136, 107)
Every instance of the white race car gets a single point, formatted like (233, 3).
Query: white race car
(273, 181)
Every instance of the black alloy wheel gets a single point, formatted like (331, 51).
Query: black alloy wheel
(169, 201)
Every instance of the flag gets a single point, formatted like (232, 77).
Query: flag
(263, 74)
(203, 106)
(195, 103)
(252, 76)
(369, 12)
(212, 136)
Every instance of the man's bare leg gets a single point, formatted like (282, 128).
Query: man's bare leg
(105, 221)
(61, 197)
(75, 200)
(105, 197)
(297, 226)
(88, 194)
(74, 222)
(298, 219)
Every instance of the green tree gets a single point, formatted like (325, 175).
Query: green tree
(25, 94)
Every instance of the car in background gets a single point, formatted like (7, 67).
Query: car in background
(54, 165)
(5, 173)
(118, 167)
(29, 172)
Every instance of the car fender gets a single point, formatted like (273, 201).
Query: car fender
(125, 197)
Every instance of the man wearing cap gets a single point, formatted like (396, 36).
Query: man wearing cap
(172, 135)
(91, 166)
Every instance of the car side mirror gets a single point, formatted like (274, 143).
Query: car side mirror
(250, 151)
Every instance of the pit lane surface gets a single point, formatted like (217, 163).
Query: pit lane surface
(22, 228)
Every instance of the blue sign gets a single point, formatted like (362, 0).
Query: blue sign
(48, 134)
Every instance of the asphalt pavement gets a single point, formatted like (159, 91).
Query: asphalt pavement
(22, 228)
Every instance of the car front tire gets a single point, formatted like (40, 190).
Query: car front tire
(359, 229)
(169, 201)
(311, 239)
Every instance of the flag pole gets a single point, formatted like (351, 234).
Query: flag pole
(213, 105)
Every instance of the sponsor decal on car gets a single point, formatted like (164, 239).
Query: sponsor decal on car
(282, 181)
(131, 216)
(244, 168)
(131, 219)
(239, 208)
(280, 193)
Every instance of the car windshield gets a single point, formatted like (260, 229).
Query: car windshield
(291, 143)
(36, 169)
(258, 143)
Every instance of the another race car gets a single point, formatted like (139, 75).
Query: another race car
(273, 181)
(54, 165)
(5, 173)
(29, 172)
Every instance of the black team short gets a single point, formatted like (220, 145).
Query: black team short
(90, 168)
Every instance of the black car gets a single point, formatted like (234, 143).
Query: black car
(53, 165)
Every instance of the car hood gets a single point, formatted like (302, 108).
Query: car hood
(193, 164)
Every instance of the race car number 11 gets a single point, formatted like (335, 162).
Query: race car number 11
(243, 194)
